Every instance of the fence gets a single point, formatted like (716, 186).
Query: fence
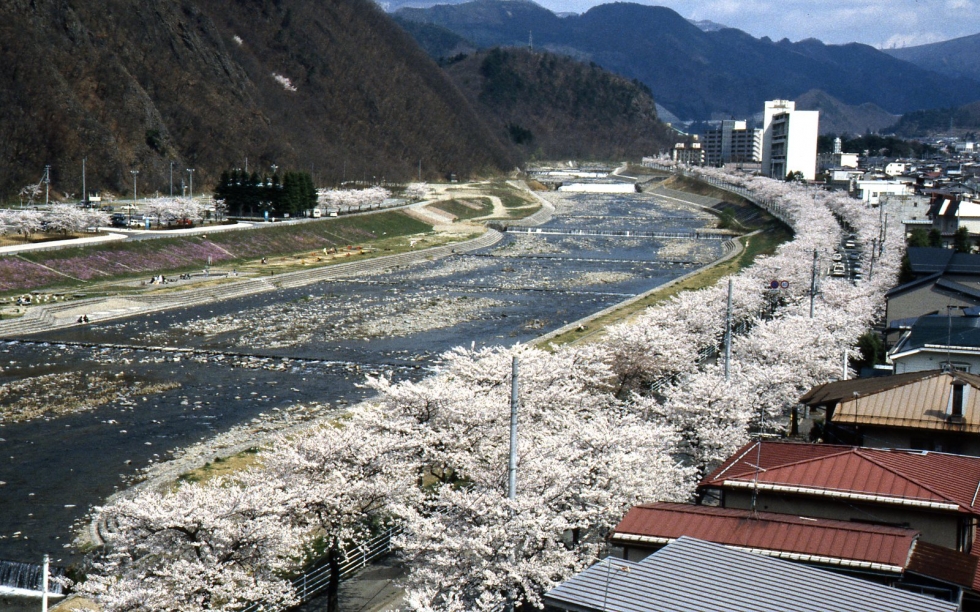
(316, 579)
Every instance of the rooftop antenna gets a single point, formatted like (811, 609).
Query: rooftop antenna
(948, 366)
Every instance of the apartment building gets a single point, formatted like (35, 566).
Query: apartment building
(789, 140)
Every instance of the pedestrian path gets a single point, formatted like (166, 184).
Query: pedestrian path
(52, 316)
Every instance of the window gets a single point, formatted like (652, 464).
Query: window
(956, 400)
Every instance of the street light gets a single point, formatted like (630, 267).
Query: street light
(171, 179)
(191, 172)
(134, 173)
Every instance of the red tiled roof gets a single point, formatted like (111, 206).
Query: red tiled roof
(944, 564)
(806, 539)
(916, 478)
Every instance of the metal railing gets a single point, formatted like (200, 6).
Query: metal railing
(316, 579)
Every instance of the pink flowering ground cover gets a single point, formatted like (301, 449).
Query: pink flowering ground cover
(147, 257)
(19, 275)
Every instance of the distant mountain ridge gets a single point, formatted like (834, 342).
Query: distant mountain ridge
(698, 74)
(957, 58)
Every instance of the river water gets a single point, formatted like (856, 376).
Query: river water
(270, 352)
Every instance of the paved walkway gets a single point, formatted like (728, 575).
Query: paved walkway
(47, 317)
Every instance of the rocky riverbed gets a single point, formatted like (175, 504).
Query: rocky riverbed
(133, 394)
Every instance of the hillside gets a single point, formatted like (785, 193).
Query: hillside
(960, 121)
(331, 86)
(955, 58)
(552, 107)
(839, 118)
(698, 74)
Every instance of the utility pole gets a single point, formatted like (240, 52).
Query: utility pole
(134, 172)
(84, 190)
(44, 585)
(728, 333)
(512, 463)
(813, 282)
(191, 172)
(171, 179)
(47, 183)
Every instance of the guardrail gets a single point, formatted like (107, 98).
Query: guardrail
(316, 579)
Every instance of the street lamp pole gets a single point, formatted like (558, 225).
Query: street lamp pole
(191, 172)
(134, 173)
(171, 179)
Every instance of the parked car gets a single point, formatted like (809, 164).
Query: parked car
(117, 220)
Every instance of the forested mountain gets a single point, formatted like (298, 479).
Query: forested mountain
(839, 118)
(697, 74)
(962, 120)
(955, 58)
(553, 107)
(333, 87)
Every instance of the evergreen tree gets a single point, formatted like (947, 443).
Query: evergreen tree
(961, 240)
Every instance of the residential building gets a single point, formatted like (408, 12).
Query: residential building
(789, 140)
(690, 152)
(936, 294)
(896, 556)
(933, 493)
(732, 142)
(930, 410)
(951, 211)
(691, 575)
(936, 342)
(872, 190)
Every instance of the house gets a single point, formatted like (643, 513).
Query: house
(691, 575)
(934, 342)
(951, 210)
(873, 190)
(926, 410)
(928, 295)
(933, 493)
(895, 556)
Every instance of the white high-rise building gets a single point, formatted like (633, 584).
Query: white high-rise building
(789, 140)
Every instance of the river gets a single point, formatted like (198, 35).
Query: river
(266, 354)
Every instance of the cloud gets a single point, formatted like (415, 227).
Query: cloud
(873, 22)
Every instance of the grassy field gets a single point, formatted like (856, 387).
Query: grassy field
(75, 269)
(466, 208)
(763, 243)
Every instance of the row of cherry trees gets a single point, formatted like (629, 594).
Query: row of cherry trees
(173, 210)
(432, 455)
(60, 218)
(351, 198)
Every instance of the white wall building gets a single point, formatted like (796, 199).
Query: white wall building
(872, 190)
(789, 140)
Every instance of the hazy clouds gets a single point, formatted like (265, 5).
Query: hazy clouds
(881, 23)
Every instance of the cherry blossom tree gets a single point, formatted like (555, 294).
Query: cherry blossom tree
(583, 457)
(211, 546)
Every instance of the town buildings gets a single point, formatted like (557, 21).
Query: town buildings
(732, 142)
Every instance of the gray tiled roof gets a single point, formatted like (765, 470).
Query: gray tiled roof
(691, 575)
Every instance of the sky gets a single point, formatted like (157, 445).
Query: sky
(880, 23)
